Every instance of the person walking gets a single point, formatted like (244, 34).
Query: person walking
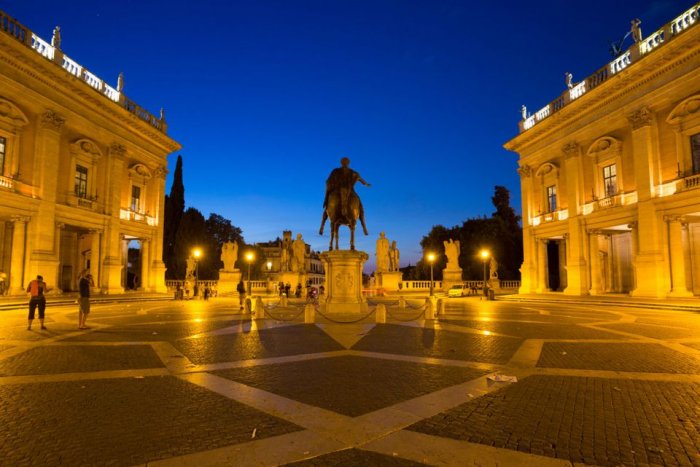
(84, 286)
(241, 293)
(36, 290)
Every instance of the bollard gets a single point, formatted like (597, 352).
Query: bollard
(248, 305)
(380, 313)
(402, 302)
(309, 314)
(259, 309)
(440, 307)
(430, 308)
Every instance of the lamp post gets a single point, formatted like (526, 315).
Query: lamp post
(249, 257)
(196, 253)
(431, 259)
(484, 256)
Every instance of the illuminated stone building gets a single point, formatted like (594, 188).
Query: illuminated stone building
(82, 171)
(610, 174)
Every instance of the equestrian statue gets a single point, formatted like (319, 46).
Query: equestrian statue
(341, 204)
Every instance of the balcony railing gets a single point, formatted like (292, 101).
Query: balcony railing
(647, 45)
(21, 33)
(560, 215)
(129, 215)
(7, 182)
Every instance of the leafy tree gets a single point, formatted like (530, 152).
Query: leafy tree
(192, 233)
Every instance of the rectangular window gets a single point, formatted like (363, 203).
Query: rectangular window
(695, 151)
(551, 198)
(3, 151)
(610, 180)
(81, 177)
(136, 198)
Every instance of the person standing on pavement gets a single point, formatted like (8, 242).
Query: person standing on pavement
(84, 300)
(36, 290)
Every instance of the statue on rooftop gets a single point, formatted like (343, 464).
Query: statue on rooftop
(569, 80)
(636, 31)
(523, 111)
(120, 82)
(56, 38)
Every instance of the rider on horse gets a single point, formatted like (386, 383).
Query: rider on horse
(342, 180)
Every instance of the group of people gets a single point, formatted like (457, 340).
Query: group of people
(37, 289)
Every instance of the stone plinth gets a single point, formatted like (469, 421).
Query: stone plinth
(451, 277)
(389, 281)
(228, 281)
(344, 281)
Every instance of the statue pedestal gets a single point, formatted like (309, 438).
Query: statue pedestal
(228, 281)
(344, 281)
(451, 277)
(389, 281)
(293, 278)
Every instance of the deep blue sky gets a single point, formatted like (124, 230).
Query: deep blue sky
(266, 96)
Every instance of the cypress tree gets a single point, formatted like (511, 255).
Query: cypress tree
(174, 210)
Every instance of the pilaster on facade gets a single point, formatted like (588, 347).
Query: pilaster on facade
(651, 268)
(18, 255)
(644, 152)
(596, 272)
(576, 265)
(542, 285)
(677, 238)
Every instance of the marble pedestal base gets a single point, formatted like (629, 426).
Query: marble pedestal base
(389, 281)
(451, 277)
(344, 281)
(228, 281)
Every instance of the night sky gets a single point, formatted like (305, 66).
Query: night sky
(266, 96)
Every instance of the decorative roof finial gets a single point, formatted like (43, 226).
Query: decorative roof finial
(162, 114)
(569, 80)
(523, 111)
(120, 82)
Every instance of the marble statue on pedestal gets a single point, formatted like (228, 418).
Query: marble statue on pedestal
(229, 255)
(298, 253)
(382, 253)
(452, 253)
(393, 257)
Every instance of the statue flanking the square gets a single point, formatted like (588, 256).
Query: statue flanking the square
(452, 274)
(229, 275)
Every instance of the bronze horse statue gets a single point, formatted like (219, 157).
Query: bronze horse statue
(343, 215)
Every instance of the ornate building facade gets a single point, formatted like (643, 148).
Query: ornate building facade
(82, 172)
(610, 174)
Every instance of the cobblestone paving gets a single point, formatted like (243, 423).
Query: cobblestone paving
(70, 359)
(355, 457)
(643, 358)
(266, 343)
(121, 422)
(152, 332)
(588, 420)
(346, 384)
(427, 342)
(584, 395)
(534, 330)
(655, 332)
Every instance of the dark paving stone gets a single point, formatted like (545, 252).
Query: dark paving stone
(121, 422)
(266, 343)
(428, 342)
(79, 358)
(587, 420)
(535, 330)
(645, 358)
(162, 331)
(655, 332)
(355, 457)
(121, 320)
(351, 385)
(5, 347)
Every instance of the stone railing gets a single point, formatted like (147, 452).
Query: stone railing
(257, 286)
(692, 182)
(13, 28)
(7, 182)
(559, 215)
(647, 45)
(420, 285)
(129, 215)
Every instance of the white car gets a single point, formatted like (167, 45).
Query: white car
(458, 291)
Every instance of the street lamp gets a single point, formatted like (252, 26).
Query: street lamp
(249, 257)
(431, 259)
(196, 253)
(484, 256)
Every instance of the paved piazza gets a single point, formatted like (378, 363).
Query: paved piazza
(198, 383)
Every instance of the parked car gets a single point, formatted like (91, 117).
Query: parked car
(458, 291)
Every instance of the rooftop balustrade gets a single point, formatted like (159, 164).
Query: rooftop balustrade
(24, 35)
(638, 50)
